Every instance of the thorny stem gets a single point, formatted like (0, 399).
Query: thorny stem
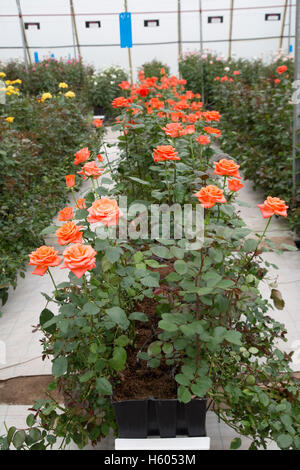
(52, 279)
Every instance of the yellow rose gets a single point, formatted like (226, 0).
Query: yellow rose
(70, 94)
(46, 96)
(2, 74)
(63, 85)
(10, 119)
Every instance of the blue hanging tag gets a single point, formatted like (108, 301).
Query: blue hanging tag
(125, 29)
(36, 57)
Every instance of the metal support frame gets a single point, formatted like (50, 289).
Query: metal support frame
(201, 49)
(283, 25)
(129, 50)
(27, 57)
(74, 29)
(179, 30)
(230, 28)
(296, 123)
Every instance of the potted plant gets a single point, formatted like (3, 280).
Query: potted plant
(154, 327)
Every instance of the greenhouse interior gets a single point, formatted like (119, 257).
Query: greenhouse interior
(150, 227)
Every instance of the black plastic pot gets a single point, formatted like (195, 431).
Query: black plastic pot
(164, 418)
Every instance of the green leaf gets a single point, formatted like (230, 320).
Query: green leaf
(182, 379)
(233, 337)
(118, 360)
(118, 316)
(138, 180)
(150, 281)
(183, 394)
(284, 441)
(121, 341)
(201, 386)
(180, 266)
(161, 252)
(86, 377)
(250, 245)
(45, 316)
(19, 439)
(140, 316)
(167, 326)
(113, 253)
(236, 443)
(90, 308)
(10, 434)
(59, 366)
(103, 386)
(48, 230)
(30, 420)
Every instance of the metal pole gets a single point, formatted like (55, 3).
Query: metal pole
(296, 123)
(75, 27)
(290, 25)
(230, 28)
(73, 34)
(283, 24)
(129, 50)
(179, 30)
(24, 39)
(201, 49)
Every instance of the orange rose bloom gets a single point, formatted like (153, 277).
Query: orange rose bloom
(165, 152)
(43, 258)
(271, 206)
(236, 72)
(124, 85)
(82, 156)
(212, 130)
(105, 210)
(97, 122)
(211, 116)
(209, 195)
(90, 169)
(234, 185)
(70, 180)
(277, 81)
(226, 167)
(190, 129)
(120, 102)
(173, 129)
(281, 69)
(81, 203)
(66, 214)
(79, 259)
(69, 233)
(203, 140)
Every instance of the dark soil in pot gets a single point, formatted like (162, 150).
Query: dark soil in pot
(138, 381)
(145, 399)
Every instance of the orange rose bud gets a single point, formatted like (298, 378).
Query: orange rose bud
(165, 152)
(81, 203)
(69, 233)
(82, 156)
(209, 195)
(66, 214)
(100, 158)
(203, 140)
(79, 259)
(97, 122)
(43, 258)
(70, 180)
(234, 185)
(106, 211)
(271, 206)
(226, 167)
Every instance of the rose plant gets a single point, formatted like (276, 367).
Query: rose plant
(210, 326)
